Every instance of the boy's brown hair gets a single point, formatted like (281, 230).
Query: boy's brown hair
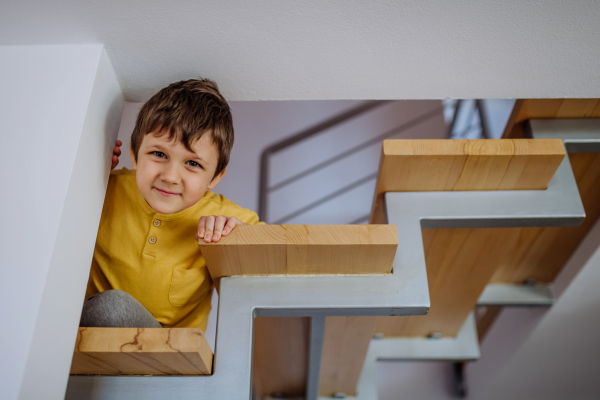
(188, 110)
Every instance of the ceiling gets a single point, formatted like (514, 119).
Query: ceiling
(330, 50)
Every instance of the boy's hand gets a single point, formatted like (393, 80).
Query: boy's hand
(116, 154)
(211, 228)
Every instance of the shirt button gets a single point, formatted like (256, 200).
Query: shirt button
(157, 222)
(152, 240)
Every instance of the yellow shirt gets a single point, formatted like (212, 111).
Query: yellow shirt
(155, 257)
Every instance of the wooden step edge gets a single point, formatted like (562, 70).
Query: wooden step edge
(141, 351)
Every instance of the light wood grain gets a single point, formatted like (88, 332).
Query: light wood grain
(302, 249)
(434, 165)
(344, 350)
(460, 165)
(526, 109)
(460, 263)
(141, 351)
(281, 348)
(540, 253)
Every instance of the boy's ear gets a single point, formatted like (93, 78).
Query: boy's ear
(216, 179)
(133, 163)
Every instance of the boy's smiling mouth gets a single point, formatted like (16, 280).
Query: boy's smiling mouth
(166, 193)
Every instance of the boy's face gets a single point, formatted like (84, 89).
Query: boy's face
(170, 177)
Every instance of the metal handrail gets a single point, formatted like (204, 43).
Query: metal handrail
(312, 131)
(325, 199)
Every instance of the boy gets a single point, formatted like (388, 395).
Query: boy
(147, 244)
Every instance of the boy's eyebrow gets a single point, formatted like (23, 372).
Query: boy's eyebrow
(194, 156)
(197, 157)
(157, 146)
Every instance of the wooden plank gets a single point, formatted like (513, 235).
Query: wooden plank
(460, 263)
(445, 165)
(421, 165)
(302, 249)
(141, 351)
(378, 207)
(540, 253)
(442, 165)
(486, 165)
(344, 351)
(533, 162)
(596, 112)
(542, 108)
(577, 108)
(525, 109)
(281, 348)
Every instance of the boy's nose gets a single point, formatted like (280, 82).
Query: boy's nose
(171, 174)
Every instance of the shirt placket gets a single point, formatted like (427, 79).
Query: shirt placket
(153, 237)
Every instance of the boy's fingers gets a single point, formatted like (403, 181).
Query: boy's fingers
(114, 162)
(210, 225)
(201, 227)
(211, 228)
(119, 143)
(219, 224)
(117, 151)
(231, 222)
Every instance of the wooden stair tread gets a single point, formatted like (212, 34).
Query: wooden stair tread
(302, 249)
(141, 351)
(463, 165)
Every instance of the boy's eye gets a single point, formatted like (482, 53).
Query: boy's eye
(159, 154)
(194, 164)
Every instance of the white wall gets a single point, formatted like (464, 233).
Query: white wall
(353, 49)
(60, 107)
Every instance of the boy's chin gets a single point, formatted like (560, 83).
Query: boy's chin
(165, 208)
